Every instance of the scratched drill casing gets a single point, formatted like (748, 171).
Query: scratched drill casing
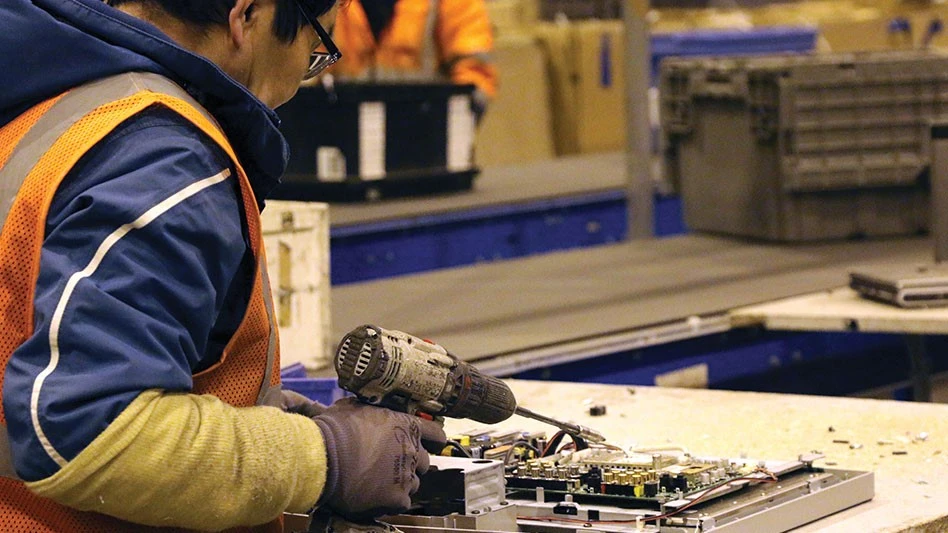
(402, 372)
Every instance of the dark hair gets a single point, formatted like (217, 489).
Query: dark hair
(204, 13)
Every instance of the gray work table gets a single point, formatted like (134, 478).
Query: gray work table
(537, 311)
(496, 186)
(842, 309)
(911, 489)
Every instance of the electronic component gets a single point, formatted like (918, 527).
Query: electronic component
(912, 287)
(597, 410)
(456, 485)
(617, 491)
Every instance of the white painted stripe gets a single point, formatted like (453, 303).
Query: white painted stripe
(110, 241)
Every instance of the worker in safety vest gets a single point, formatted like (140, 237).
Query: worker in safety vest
(420, 40)
(139, 354)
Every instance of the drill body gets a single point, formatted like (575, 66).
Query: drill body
(402, 372)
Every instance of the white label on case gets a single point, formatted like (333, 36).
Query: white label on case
(330, 164)
(460, 133)
(372, 141)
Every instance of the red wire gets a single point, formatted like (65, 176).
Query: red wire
(553, 441)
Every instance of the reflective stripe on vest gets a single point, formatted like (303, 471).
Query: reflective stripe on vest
(66, 112)
(429, 71)
(54, 123)
(429, 50)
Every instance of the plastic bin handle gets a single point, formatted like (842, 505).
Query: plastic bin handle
(719, 85)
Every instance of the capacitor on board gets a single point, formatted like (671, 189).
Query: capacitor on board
(651, 489)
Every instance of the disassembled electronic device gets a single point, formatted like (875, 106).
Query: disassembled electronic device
(905, 286)
(500, 481)
(519, 481)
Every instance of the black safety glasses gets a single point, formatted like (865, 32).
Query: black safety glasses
(319, 59)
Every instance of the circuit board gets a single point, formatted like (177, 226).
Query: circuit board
(604, 474)
(639, 480)
(519, 481)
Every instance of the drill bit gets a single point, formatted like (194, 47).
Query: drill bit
(573, 429)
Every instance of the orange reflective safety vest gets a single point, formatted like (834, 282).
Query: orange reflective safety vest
(37, 150)
(426, 40)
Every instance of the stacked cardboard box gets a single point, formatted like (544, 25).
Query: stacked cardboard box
(587, 73)
(517, 127)
(562, 87)
(845, 25)
(580, 88)
(518, 124)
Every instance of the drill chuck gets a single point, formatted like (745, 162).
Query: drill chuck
(399, 371)
(482, 398)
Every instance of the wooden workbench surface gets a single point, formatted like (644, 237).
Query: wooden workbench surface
(842, 309)
(563, 177)
(911, 489)
(485, 311)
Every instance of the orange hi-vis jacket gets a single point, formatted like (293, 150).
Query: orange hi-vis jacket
(426, 40)
(38, 154)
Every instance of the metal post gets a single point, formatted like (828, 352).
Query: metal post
(939, 190)
(920, 368)
(638, 60)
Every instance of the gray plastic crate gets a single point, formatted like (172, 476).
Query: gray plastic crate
(802, 148)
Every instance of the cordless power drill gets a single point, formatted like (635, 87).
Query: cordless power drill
(404, 373)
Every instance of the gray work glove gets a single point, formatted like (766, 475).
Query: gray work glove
(294, 402)
(375, 456)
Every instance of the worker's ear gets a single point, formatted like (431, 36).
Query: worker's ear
(240, 19)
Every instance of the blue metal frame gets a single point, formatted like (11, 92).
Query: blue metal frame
(385, 249)
(669, 217)
(406, 246)
(751, 359)
(746, 359)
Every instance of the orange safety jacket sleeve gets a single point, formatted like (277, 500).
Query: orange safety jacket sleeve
(466, 42)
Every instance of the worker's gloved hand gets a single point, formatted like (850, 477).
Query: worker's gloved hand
(294, 402)
(479, 102)
(375, 456)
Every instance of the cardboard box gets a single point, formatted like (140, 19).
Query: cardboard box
(517, 127)
(601, 86)
(859, 35)
(296, 239)
(671, 20)
(922, 20)
(588, 86)
(845, 25)
(557, 42)
(513, 16)
(506, 16)
(580, 9)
